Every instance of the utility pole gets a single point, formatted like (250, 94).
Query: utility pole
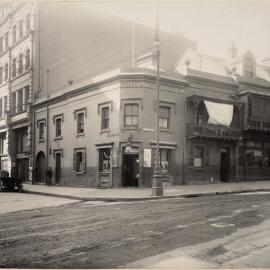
(157, 188)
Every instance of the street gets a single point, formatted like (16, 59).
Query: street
(222, 231)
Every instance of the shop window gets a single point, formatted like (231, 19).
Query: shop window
(131, 115)
(164, 114)
(80, 123)
(104, 160)
(105, 118)
(79, 160)
(165, 158)
(254, 158)
(198, 157)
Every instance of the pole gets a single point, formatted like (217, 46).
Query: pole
(157, 188)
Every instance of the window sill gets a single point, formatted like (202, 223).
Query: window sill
(107, 130)
(80, 135)
(130, 128)
(58, 138)
(41, 140)
(165, 130)
(79, 173)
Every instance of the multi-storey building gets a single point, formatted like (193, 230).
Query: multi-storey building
(45, 53)
(102, 133)
(16, 53)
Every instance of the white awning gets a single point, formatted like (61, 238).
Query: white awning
(219, 114)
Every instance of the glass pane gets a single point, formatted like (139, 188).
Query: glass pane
(128, 121)
(134, 121)
(135, 109)
(128, 109)
(164, 112)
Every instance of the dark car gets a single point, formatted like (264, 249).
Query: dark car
(10, 183)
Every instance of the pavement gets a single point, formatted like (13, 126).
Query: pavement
(141, 194)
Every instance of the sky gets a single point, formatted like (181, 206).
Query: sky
(214, 25)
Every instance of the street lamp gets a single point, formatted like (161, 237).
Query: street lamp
(157, 188)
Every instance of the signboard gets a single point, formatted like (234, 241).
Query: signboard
(147, 158)
(115, 158)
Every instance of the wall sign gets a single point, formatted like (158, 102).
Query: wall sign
(147, 158)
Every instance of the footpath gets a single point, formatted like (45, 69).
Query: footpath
(141, 194)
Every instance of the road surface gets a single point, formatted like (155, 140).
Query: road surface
(224, 231)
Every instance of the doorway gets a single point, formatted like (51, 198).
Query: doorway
(224, 164)
(130, 175)
(57, 168)
(23, 169)
(41, 168)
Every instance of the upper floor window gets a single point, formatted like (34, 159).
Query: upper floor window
(1, 108)
(14, 68)
(21, 28)
(27, 59)
(28, 23)
(248, 68)
(131, 115)
(1, 44)
(58, 127)
(41, 131)
(6, 40)
(6, 71)
(80, 123)
(1, 75)
(164, 114)
(105, 118)
(14, 33)
(20, 101)
(2, 144)
(20, 64)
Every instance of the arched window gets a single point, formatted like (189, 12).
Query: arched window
(6, 71)
(14, 68)
(20, 64)
(248, 68)
(27, 59)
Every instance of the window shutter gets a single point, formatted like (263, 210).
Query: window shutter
(84, 160)
(191, 155)
(74, 161)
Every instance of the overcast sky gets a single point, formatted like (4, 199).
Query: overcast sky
(213, 24)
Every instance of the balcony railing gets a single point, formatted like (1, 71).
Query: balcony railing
(213, 131)
(258, 125)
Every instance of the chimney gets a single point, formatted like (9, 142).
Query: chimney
(266, 62)
(232, 51)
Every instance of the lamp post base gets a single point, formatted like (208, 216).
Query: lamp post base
(157, 187)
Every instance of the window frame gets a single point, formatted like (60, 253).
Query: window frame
(60, 118)
(133, 104)
(13, 68)
(79, 114)
(105, 119)
(82, 151)
(164, 118)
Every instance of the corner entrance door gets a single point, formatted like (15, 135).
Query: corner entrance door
(224, 164)
(130, 170)
(57, 168)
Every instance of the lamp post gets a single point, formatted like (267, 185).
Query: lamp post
(157, 188)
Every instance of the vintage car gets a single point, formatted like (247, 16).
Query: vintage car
(10, 183)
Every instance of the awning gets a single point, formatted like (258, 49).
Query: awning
(219, 114)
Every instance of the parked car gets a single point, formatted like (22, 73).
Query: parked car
(10, 183)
